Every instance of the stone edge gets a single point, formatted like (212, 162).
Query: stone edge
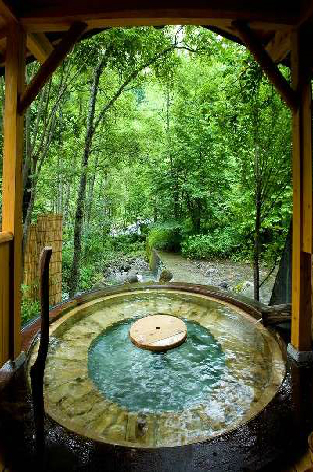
(301, 357)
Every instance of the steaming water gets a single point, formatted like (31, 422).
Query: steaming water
(139, 379)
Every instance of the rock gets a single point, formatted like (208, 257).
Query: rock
(99, 285)
(224, 285)
(165, 276)
(132, 278)
(141, 425)
(248, 289)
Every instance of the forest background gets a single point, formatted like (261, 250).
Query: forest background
(172, 127)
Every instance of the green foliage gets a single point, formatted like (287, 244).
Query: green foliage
(30, 308)
(128, 244)
(166, 236)
(99, 251)
(194, 138)
(217, 244)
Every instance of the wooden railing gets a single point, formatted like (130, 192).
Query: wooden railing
(5, 240)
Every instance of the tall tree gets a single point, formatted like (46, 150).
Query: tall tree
(135, 52)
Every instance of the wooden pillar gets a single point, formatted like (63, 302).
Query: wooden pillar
(301, 337)
(12, 175)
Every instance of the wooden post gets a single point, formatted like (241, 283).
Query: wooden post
(301, 337)
(12, 174)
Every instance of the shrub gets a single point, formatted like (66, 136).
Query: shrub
(99, 251)
(127, 243)
(166, 237)
(30, 308)
(217, 244)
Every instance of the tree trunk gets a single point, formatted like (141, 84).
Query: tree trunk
(91, 190)
(80, 204)
(256, 251)
(257, 227)
(92, 125)
(282, 287)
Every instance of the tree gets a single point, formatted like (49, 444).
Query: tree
(134, 53)
(263, 155)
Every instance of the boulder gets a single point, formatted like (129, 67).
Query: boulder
(248, 289)
(99, 285)
(224, 285)
(131, 278)
(165, 276)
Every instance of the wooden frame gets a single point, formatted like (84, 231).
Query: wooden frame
(269, 67)
(12, 180)
(50, 65)
(39, 45)
(58, 15)
(301, 335)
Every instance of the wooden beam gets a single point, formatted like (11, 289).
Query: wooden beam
(306, 14)
(12, 174)
(4, 302)
(58, 54)
(269, 68)
(301, 336)
(6, 237)
(279, 47)
(101, 23)
(6, 12)
(54, 15)
(39, 45)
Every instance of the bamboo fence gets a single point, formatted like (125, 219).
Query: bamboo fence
(46, 232)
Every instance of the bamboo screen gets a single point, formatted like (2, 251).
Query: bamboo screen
(47, 232)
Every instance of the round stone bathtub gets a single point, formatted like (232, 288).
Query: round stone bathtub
(101, 386)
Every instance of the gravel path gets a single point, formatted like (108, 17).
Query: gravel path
(233, 276)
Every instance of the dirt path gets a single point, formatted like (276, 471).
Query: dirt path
(225, 274)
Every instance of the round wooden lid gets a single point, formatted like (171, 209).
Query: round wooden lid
(158, 332)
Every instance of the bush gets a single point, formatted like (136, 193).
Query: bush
(217, 244)
(98, 252)
(30, 308)
(166, 237)
(127, 243)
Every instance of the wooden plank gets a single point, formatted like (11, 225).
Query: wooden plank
(7, 12)
(3, 337)
(301, 79)
(301, 336)
(270, 69)
(279, 47)
(36, 11)
(39, 46)
(50, 65)
(12, 175)
(101, 23)
(306, 120)
(6, 237)
(4, 303)
(305, 14)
